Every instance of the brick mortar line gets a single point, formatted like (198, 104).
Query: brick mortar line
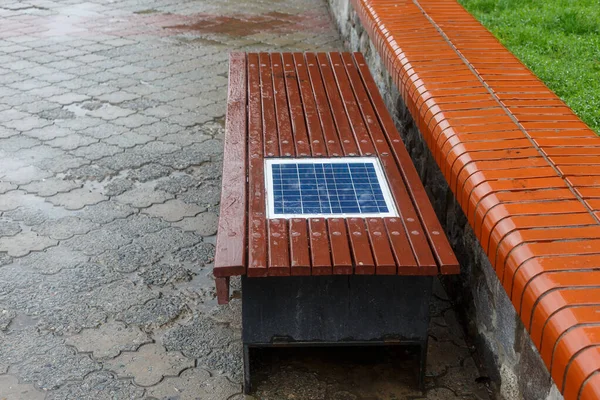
(506, 110)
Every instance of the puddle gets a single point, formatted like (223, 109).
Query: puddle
(247, 25)
(97, 109)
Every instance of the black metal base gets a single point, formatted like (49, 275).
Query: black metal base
(354, 310)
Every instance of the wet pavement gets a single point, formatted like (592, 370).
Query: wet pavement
(111, 126)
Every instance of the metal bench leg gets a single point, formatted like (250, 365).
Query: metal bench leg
(247, 380)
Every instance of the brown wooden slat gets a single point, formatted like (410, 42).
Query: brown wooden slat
(299, 248)
(350, 82)
(257, 241)
(351, 109)
(230, 251)
(332, 140)
(361, 249)
(313, 124)
(444, 255)
(279, 250)
(299, 131)
(269, 123)
(340, 248)
(319, 247)
(385, 264)
(403, 253)
(344, 131)
(287, 146)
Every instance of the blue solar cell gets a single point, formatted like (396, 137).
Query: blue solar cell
(327, 188)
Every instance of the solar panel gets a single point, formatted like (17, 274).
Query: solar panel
(332, 187)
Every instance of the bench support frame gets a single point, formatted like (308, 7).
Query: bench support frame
(352, 310)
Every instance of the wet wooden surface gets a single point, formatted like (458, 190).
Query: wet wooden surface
(327, 105)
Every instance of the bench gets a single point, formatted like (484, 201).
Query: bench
(336, 280)
(520, 164)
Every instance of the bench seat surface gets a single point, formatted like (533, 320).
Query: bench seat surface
(317, 105)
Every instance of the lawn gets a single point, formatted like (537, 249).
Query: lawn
(559, 40)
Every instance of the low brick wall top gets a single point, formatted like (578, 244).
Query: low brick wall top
(520, 163)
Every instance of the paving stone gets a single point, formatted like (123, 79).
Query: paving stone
(12, 389)
(28, 215)
(200, 254)
(156, 313)
(71, 142)
(173, 210)
(117, 186)
(68, 98)
(206, 195)
(137, 225)
(48, 132)
(5, 259)
(50, 371)
(6, 132)
(118, 97)
(17, 142)
(108, 340)
(128, 139)
(128, 258)
(36, 154)
(55, 114)
(189, 156)
(178, 183)
(143, 197)
(162, 274)
(64, 163)
(149, 365)
(200, 337)
(98, 385)
(195, 384)
(105, 212)
(138, 156)
(184, 139)
(50, 187)
(95, 242)
(103, 131)
(204, 224)
(80, 123)
(9, 227)
(96, 151)
(168, 240)
(149, 172)
(135, 121)
(89, 172)
(54, 259)
(6, 186)
(76, 199)
(26, 175)
(27, 123)
(23, 243)
(64, 228)
(161, 128)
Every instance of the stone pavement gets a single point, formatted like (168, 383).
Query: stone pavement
(111, 126)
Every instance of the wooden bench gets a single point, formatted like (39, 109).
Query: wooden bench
(335, 280)
(520, 163)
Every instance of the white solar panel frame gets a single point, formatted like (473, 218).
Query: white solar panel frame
(383, 184)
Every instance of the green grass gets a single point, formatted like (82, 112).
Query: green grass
(559, 40)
